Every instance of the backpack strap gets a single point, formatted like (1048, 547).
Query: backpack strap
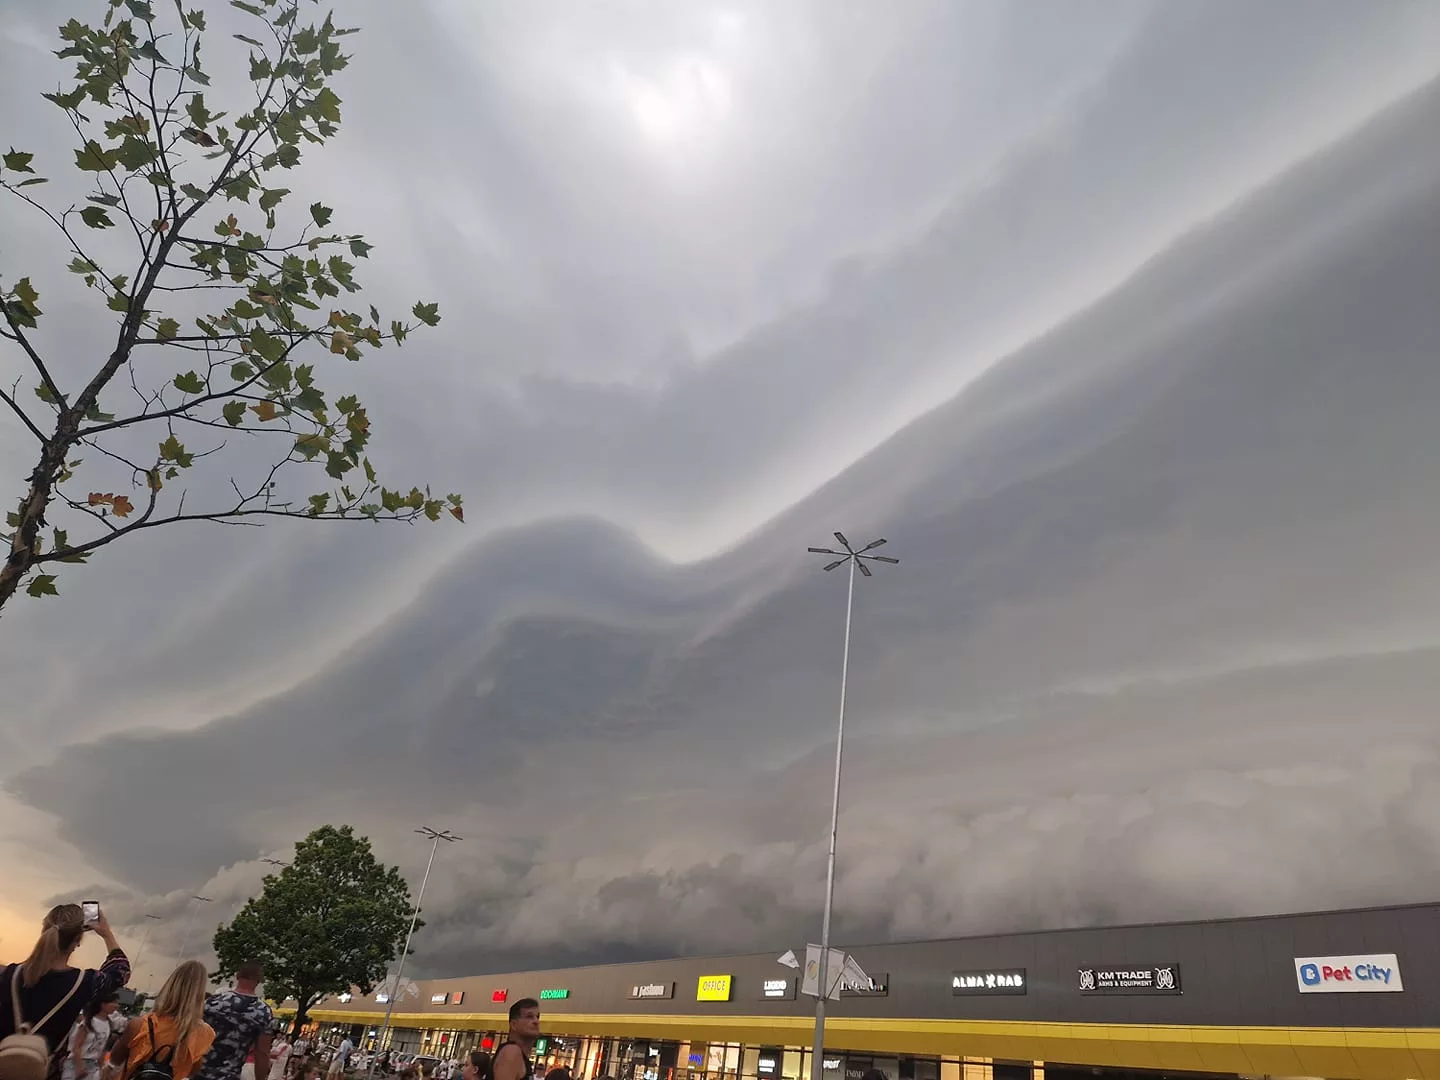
(21, 1027)
(155, 1050)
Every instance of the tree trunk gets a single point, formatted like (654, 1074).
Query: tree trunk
(24, 545)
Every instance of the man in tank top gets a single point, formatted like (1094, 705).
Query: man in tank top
(512, 1060)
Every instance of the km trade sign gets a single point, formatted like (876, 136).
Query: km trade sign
(1375, 973)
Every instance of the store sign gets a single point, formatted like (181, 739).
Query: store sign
(499, 995)
(777, 990)
(439, 999)
(554, 995)
(344, 998)
(457, 997)
(988, 982)
(768, 1063)
(652, 991)
(1374, 973)
(714, 987)
(877, 985)
(1151, 979)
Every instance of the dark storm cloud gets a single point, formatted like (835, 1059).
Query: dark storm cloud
(1145, 612)
(1146, 536)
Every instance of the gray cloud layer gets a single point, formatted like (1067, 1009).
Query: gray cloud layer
(1137, 371)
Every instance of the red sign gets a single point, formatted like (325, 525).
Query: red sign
(457, 997)
(487, 1043)
(499, 995)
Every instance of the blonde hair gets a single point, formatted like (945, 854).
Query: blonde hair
(183, 997)
(60, 933)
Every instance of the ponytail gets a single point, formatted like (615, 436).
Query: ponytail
(63, 928)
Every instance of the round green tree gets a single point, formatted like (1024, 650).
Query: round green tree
(333, 919)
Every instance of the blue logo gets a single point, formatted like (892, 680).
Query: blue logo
(1310, 974)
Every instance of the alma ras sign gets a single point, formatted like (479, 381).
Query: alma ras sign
(1372, 973)
(1139, 979)
(988, 982)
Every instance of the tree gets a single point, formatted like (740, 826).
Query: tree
(331, 920)
(227, 292)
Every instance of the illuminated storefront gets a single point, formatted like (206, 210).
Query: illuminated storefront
(1339, 995)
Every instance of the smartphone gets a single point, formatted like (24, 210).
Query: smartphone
(90, 911)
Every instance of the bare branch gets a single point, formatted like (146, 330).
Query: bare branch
(24, 418)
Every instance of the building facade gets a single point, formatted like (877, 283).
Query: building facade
(1346, 994)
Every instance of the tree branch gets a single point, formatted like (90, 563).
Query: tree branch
(24, 418)
(17, 334)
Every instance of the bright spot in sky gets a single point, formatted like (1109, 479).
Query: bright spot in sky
(682, 105)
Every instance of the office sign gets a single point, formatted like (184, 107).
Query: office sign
(988, 982)
(877, 985)
(652, 991)
(439, 999)
(714, 987)
(1120, 981)
(777, 990)
(554, 994)
(1372, 973)
(500, 995)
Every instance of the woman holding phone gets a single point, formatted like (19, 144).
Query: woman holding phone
(45, 986)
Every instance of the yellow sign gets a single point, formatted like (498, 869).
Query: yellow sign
(714, 988)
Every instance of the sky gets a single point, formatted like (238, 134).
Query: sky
(1118, 322)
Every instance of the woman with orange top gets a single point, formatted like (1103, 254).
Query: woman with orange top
(175, 1033)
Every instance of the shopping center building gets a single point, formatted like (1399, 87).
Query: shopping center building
(1345, 994)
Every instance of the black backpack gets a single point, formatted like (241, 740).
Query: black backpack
(156, 1067)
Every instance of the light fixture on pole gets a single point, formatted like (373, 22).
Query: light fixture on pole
(190, 922)
(150, 921)
(853, 560)
(434, 836)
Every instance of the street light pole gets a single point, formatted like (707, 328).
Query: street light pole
(151, 920)
(854, 560)
(434, 836)
(190, 923)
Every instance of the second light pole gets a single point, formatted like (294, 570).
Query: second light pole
(853, 560)
(434, 836)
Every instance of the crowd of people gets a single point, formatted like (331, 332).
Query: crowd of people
(59, 1022)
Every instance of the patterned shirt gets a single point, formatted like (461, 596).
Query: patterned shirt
(238, 1020)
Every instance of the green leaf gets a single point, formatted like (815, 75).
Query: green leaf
(321, 214)
(311, 446)
(172, 449)
(135, 153)
(288, 155)
(32, 182)
(119, 302)
(360, 249)
(43, 393)
(429, 314)
(196, 110)
(234, 412)
(326, 105)
(95, 217)
(190, 191)
(166, 329)
(18, 160)
(270, 198)
(337, 465)
(141, 9)
(151, 53)
(319, 503)
(196, 19)
(28, 297)
(270, 347)
(94, 158)
(105, 198)
(241, 370)
(42, 585)
(190, 383)
(251, 8)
